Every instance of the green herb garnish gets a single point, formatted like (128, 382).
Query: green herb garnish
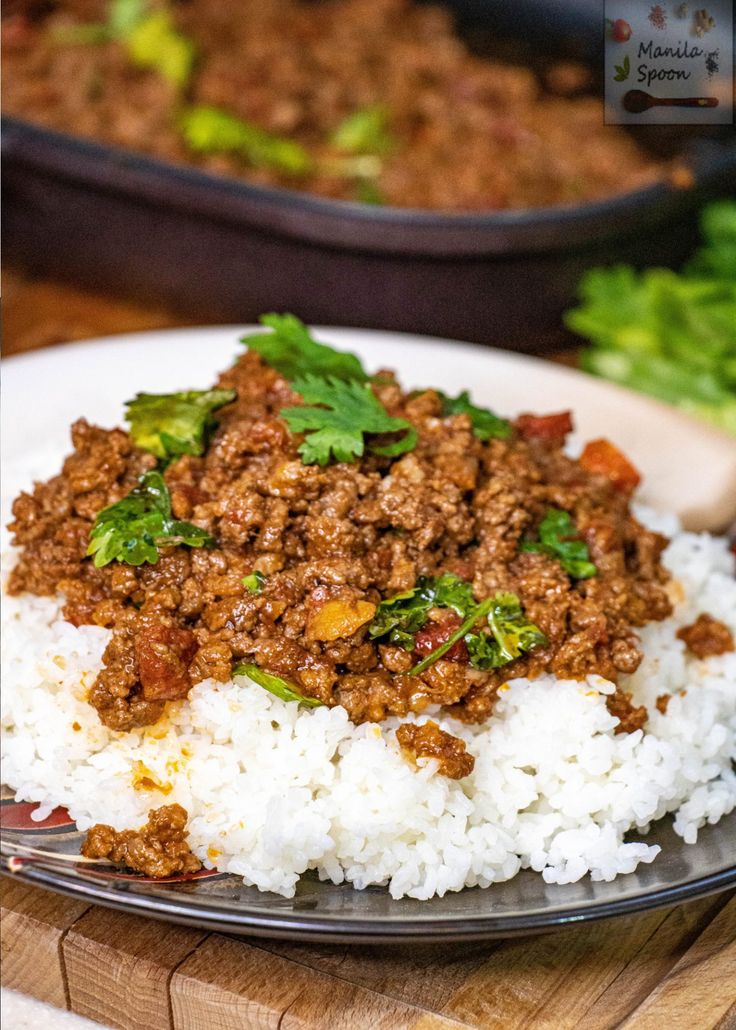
(150, 37)
(717, 259)
(122, 17)
(463, 629)
(400, 617)
(368, 192)
(559, 538)
(511, 634)
(133, 529)
(275, 685)
(669, 334)
(485, 424)
(254, 582)
(170, 424)
(153, 42)
(347, 413)
(365, 131)
(209, 130)
(291, 349)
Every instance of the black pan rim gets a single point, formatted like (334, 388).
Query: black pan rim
(353, 226)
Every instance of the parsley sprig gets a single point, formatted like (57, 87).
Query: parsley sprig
(337, 419)
(275, 685)
(133, 529)
(171, 424)
(291, 349)
(559, 538)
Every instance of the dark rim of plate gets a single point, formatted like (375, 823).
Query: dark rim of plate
(241, 920)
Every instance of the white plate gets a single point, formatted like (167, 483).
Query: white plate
(688, 467)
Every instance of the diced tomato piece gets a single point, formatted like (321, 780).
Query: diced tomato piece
(600, 457)
(549, 428)
(434, 634)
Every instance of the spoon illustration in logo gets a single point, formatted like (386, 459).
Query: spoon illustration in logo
(636, 101)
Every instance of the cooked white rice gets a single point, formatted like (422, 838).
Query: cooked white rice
(273, 790)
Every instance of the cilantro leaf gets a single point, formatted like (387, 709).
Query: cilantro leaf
(485, 424)
(153, 42)
(291, 350)
(368, 192)
(448, 591)
(349, 411)
(274, 684)
(559, 538)
(151, 39)
(209, 130)
(170, 424)
(124, 15)
(401, 616)
(511, 634)
(254, 582)
(716, 259)
(133, 529)
(365, 131)
(363, 138)
(669, 334)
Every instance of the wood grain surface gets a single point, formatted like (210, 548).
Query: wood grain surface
(674, 969)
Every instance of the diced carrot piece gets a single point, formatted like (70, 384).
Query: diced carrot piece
(551, 428)
(600, 457)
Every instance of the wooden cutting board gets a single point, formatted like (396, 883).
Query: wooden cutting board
(673, 969)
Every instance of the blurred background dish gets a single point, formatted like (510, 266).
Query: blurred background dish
(493, 157)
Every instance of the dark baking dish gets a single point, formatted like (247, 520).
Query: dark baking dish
(220, 249)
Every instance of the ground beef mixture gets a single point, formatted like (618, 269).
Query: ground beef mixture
(662, 703)
(159, 849)
(631, 717)
(707, 637)
(429, 741)
(467, 132)
(331, 543)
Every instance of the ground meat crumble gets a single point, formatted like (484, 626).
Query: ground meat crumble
(429, 741)
(159, 849)
(331, 543)
(630, 717)
(707, 637)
